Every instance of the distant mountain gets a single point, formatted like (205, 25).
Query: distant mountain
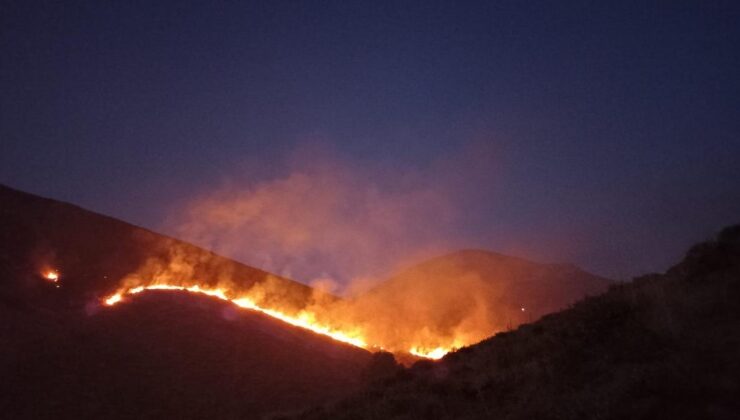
(163, 355)
(469, 295)
(664, 346)
(515, 283)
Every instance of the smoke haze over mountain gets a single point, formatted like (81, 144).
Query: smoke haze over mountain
(325, 222)
(611, 126)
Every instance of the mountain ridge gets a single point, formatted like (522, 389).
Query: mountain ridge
(662, 346)
(55, 328)
(173, 354)
(468, 295)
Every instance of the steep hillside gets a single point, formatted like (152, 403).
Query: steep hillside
(166, 355)
(163, 355)
(93, 252)
(662, 346)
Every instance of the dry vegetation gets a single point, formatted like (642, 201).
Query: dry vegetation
(662, 346)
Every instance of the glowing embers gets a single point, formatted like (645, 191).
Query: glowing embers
(52, 276)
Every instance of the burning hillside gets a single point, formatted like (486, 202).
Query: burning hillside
(320, 314)
(664, 346)
(332, 224)
(303, 319)
(426, 311)
(63, 341)
(162, 354)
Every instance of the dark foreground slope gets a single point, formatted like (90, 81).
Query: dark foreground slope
(663, 346)
(164, 354)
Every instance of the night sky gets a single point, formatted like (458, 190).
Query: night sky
(606, 134)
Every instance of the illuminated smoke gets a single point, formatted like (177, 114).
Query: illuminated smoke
(323, 221)
(341, 229)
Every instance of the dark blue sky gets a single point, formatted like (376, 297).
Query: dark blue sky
(614, 126)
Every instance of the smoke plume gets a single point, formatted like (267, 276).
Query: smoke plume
(323, 222)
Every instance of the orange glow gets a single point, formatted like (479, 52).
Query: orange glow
(51, 275)
(303, 319)
(112, 300)
(406, 318)
(435, 354)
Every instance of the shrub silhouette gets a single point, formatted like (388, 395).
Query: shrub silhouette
(662, 346)
(382, 366)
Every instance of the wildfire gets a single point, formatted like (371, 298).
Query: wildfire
(303, 319)
(436, 353)
(51, 275)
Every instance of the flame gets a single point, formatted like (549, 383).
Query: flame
(390, 321)
(112, 300)
(304, 319)
(435, 353)
(51, 275)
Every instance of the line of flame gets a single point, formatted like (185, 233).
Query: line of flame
(436, 353)
(304, 319)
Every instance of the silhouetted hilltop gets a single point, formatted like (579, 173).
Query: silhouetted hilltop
(162, 355)
(467, 296)
(515, 283)
(93, 252)
(662, 346)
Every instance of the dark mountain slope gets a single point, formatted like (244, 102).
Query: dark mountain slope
(167, 355)
(92, 251)
(162, 355)
(662, 346)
